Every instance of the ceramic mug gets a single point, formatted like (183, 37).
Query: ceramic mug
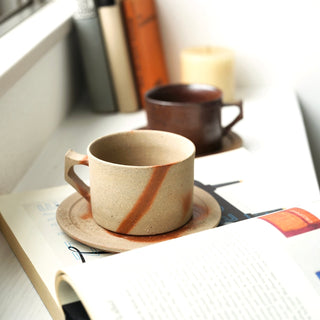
(141, 181)
(191, 110)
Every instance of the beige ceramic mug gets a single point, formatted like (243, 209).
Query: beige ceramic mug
(141, 181)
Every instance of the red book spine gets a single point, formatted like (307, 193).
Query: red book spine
(145, 45)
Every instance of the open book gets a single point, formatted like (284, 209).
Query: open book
(197, 273)
(267, 267)
(262, 268)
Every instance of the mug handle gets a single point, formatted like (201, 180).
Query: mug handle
(71, 159)
(226, 129)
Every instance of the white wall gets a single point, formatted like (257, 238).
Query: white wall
(274, 41)
(31, 110)
(39, 82)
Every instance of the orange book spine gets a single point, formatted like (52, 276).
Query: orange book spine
(145, 45)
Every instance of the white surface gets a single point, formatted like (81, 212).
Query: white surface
(38, 85)
(22, 46)
(272, 131)
(31, 110)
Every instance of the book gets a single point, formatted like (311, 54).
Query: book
(28, 222)
(34, 213)
(49, 249)
(95, 62)
(115, 42)
(169, 271)
(261, 268)
(145, 45)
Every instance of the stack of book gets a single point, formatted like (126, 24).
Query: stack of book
(121, 50)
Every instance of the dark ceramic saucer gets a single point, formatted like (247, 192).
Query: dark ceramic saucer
(230, 142)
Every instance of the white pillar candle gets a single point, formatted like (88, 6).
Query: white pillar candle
(209, 65)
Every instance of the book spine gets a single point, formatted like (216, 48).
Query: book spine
(115, 42)
(95, 63)
(145, 45)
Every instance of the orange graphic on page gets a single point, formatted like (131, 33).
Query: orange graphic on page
(292, 222)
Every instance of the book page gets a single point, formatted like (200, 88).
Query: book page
(254, 189)
(31, 218)
(220, 168)
(239, 181)
(240, 271)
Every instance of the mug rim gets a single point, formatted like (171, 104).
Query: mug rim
(190, 154)
(205, 86)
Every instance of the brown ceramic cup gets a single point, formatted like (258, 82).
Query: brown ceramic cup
(141, 182)
(191, 110)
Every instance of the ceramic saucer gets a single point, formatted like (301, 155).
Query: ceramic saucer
(75, 219)
(230, 142)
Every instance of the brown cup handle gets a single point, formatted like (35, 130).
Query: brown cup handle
(73, 158)
(226, 129)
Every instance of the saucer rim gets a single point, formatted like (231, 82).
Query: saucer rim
(124, 243)
(236, 143)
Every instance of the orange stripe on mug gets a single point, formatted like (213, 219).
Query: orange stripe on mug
(145, 200)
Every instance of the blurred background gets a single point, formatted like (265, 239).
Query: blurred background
(275, 42)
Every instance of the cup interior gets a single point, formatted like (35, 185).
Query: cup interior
(142, 148)
(184, 93)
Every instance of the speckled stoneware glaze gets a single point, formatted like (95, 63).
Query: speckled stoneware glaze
(75, 219)
(192, 110)
(141, 181)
